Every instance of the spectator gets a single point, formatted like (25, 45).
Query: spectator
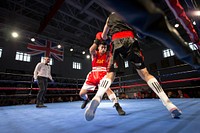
(182, 95)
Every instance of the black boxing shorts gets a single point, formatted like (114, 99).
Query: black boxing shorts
(127, 48)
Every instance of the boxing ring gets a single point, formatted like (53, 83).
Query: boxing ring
(144, 114)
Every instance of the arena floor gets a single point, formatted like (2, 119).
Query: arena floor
(143, 116)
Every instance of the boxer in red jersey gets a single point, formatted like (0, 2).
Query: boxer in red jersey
(100, 60)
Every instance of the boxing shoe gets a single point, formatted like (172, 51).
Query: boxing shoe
(90, 111)
(85, 102)
(119, 109)
(41, 106)
(175, 113)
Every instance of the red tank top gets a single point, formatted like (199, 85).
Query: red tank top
(100, 61)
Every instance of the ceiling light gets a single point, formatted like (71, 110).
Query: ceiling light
(32, 39)
(15, 34)
(194, 23)
(71, 49)
(176, 25)
(196, 13)
(59, 46)
(88, 56)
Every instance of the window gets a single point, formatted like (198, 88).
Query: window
(1, 52)
(126, 64)
(168, 53)
(193, 46)
(76, 65)
(23, 56)
(50, 62)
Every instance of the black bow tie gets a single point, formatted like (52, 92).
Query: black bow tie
(46, 64)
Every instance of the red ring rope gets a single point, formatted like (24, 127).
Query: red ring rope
(127, 86)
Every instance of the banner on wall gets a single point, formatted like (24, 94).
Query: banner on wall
(46, 48)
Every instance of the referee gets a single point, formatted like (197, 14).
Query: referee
(42, 73)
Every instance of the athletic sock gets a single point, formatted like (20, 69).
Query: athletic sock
(155, 86)
(103, 87)
(84, 96)
(113, 98)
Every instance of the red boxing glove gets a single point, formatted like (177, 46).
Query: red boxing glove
(98, 36)
(98, 40)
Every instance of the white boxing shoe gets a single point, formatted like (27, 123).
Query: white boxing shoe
(175, 113)
(90, 111)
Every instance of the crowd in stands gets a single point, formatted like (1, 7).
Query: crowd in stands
(66, 90)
